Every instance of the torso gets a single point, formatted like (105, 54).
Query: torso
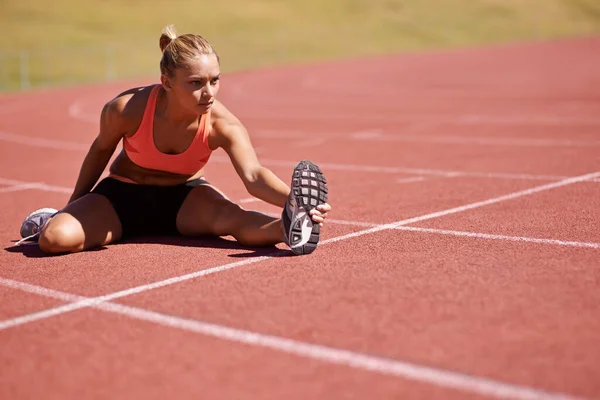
(168, 139)
(123, 167)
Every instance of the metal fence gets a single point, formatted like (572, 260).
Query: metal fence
(95, 63)
(29, 69)
(32, 69)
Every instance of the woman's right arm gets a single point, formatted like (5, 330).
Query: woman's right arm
(103, 147)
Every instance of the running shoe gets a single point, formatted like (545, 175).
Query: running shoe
(33, 223)
(309, 189)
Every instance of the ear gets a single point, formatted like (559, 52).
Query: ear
(166, 83)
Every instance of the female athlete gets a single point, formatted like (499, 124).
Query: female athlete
(156, 185)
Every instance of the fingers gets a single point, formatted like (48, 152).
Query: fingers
(320, 218)
(324, 207)
(320, 213)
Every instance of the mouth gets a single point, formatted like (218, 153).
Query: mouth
(205, 104)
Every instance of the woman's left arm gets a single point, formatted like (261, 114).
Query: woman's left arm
(231, 135)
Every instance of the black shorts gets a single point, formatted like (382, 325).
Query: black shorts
(146, 210)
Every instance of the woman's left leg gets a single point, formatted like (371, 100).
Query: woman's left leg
(207, 211)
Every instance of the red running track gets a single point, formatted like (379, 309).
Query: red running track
(460, 261)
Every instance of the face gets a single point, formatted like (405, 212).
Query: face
(195, 86)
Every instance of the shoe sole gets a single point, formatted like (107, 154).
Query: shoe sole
(309, 188)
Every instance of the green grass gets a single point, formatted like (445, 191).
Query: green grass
(66, 41)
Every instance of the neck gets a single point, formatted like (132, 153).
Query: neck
(171, 111)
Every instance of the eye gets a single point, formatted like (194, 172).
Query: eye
(196, 82)
(214, 81)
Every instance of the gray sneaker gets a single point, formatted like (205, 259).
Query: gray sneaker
(32, 226)
(309, 189)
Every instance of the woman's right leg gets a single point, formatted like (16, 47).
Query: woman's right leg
(88, 222)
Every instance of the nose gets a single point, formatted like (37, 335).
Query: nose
(209, 91)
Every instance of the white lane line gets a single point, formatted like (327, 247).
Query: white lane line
(146, 287)
(410, 171)
(93, 301)
(36, 185)
(51, 188)
(332, 221)
(500, 237)
(555, 242)
(475, 119)
(394, 115)
(411, 180)
(349, 223)
(39, 290)
(42, 142)
(466, 207)
(62, 189)
(377, 136)
(73, 146)
(42, 291)
(385, 366)
(22, 186)
(76, 110)
(17, 188)
(4, 181)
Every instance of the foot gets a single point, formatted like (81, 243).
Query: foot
(34, 222)
(309, 189)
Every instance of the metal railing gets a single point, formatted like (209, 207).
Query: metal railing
(30, 69)
(96, 63)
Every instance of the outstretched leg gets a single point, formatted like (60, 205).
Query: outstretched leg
(88, 222)
(207, 211)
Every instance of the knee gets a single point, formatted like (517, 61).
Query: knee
(57, 237)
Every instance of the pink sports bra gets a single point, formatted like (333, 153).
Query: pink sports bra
(140, 147)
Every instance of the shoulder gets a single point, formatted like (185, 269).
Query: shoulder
(221, 116)
(127, 108)
(226, 127)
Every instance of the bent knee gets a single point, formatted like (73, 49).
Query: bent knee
(59, 236)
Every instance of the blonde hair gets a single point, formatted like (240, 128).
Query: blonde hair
(177, 50)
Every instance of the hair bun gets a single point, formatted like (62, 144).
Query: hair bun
(168, 35)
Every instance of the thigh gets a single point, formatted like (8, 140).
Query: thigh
(90, 220)
(206, 211)
(142, 210)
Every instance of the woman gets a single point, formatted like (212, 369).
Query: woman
(156, 184)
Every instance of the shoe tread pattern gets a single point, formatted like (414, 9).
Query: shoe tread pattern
(309, 186)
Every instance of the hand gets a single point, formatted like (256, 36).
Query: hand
(320, 213)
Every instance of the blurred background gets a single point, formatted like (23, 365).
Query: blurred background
(67, 42)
